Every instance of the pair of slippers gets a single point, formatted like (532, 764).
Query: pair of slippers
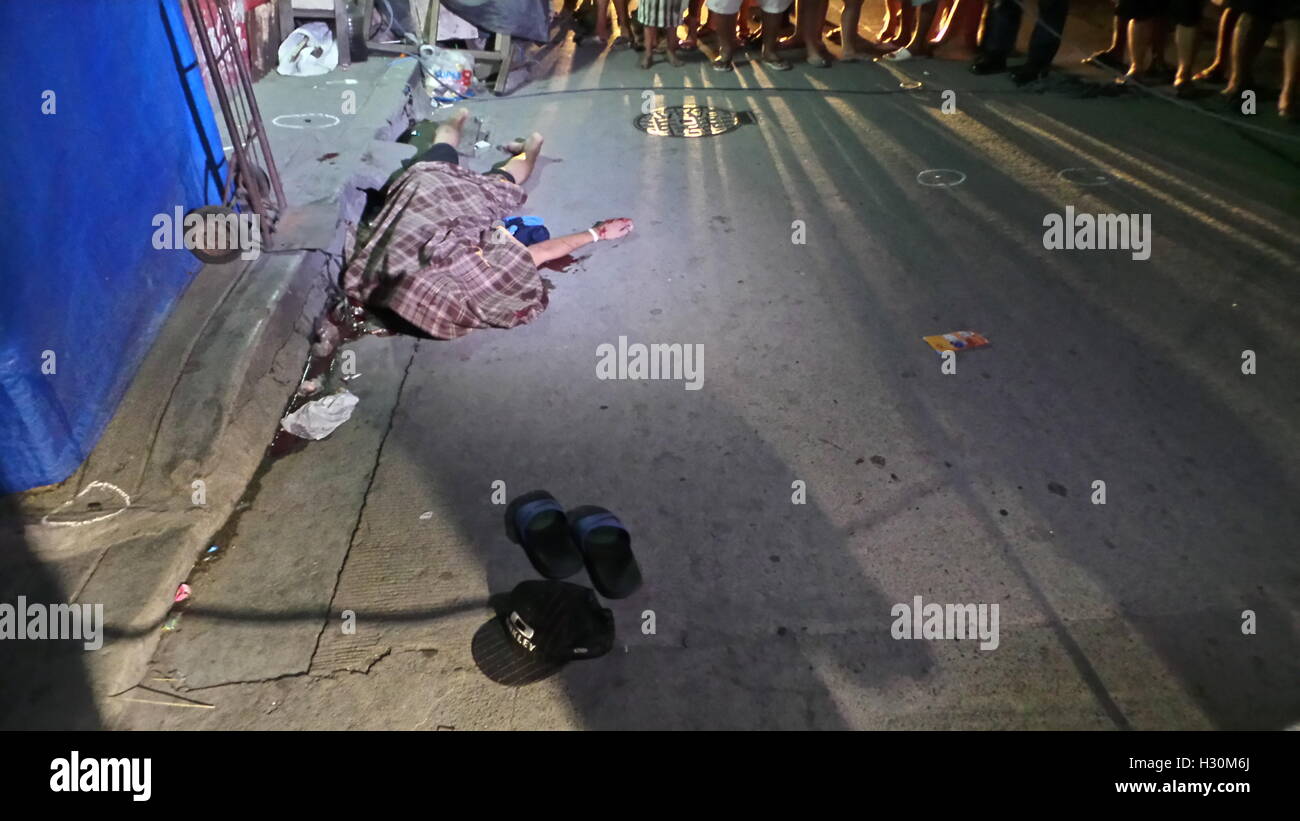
(560, 544)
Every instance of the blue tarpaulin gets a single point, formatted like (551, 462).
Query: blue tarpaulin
(104, 125)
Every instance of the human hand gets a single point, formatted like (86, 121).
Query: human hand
(613, 228)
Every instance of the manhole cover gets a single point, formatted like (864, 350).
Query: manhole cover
(691, 121)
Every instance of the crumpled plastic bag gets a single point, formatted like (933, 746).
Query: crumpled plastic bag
(448, 73)
(320, 417)
(308, 51)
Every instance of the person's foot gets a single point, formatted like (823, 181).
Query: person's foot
(1288, 111)
(449, 130)
(1106, 57)
(1232, 91)
(1028, 73)
(816, 60)
(675, 59)
(722, 63)
(988, 64)
(775, 61)
(647, 58)
(1213, 73)
(897, 55)
(533, 145)
(1185, 89)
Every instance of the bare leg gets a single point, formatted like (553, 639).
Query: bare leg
(1185, 45)
(670, 42)
(1247, 41)
(625, 22)
(812, 15)
(602, 20)
(1288, 99)
(893, 27)
(725, 28)
(920, 43)
(1217, 70)
(1113, 55)
(647, 57)
(1139, 48)
(449, 132)
(848, 30)
(771, 37)
(692, 24)
(520, 166)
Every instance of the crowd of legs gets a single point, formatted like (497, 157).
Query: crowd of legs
(985, 30)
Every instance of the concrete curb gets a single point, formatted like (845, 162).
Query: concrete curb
(195, 423)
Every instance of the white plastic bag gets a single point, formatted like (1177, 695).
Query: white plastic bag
(448, 73)
(310, 50)
(319, 417)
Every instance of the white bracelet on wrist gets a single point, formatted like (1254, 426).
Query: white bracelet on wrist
(594, 236)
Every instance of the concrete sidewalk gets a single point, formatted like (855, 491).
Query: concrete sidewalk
(202, 408)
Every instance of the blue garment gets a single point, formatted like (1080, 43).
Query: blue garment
(528, 230)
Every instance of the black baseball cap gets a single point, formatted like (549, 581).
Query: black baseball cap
(540, 627)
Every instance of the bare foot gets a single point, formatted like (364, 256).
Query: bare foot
(1210, 74)
(533, 145)
(449, 131)
(675, 58)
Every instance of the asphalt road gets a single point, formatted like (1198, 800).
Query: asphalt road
(970, 487)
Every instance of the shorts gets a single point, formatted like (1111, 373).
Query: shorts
(733, 6)
(442, 152)
(659, 14)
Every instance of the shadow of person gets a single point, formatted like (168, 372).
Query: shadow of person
(44, 685)
(751, 602)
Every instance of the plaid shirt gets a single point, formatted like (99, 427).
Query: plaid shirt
(439, 258)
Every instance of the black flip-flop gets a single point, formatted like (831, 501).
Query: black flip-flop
(606, 548)
(536, 522)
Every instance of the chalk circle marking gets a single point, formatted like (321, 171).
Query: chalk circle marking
(1083, 176)
(941, 177)
(126, 502)
(306, 121)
